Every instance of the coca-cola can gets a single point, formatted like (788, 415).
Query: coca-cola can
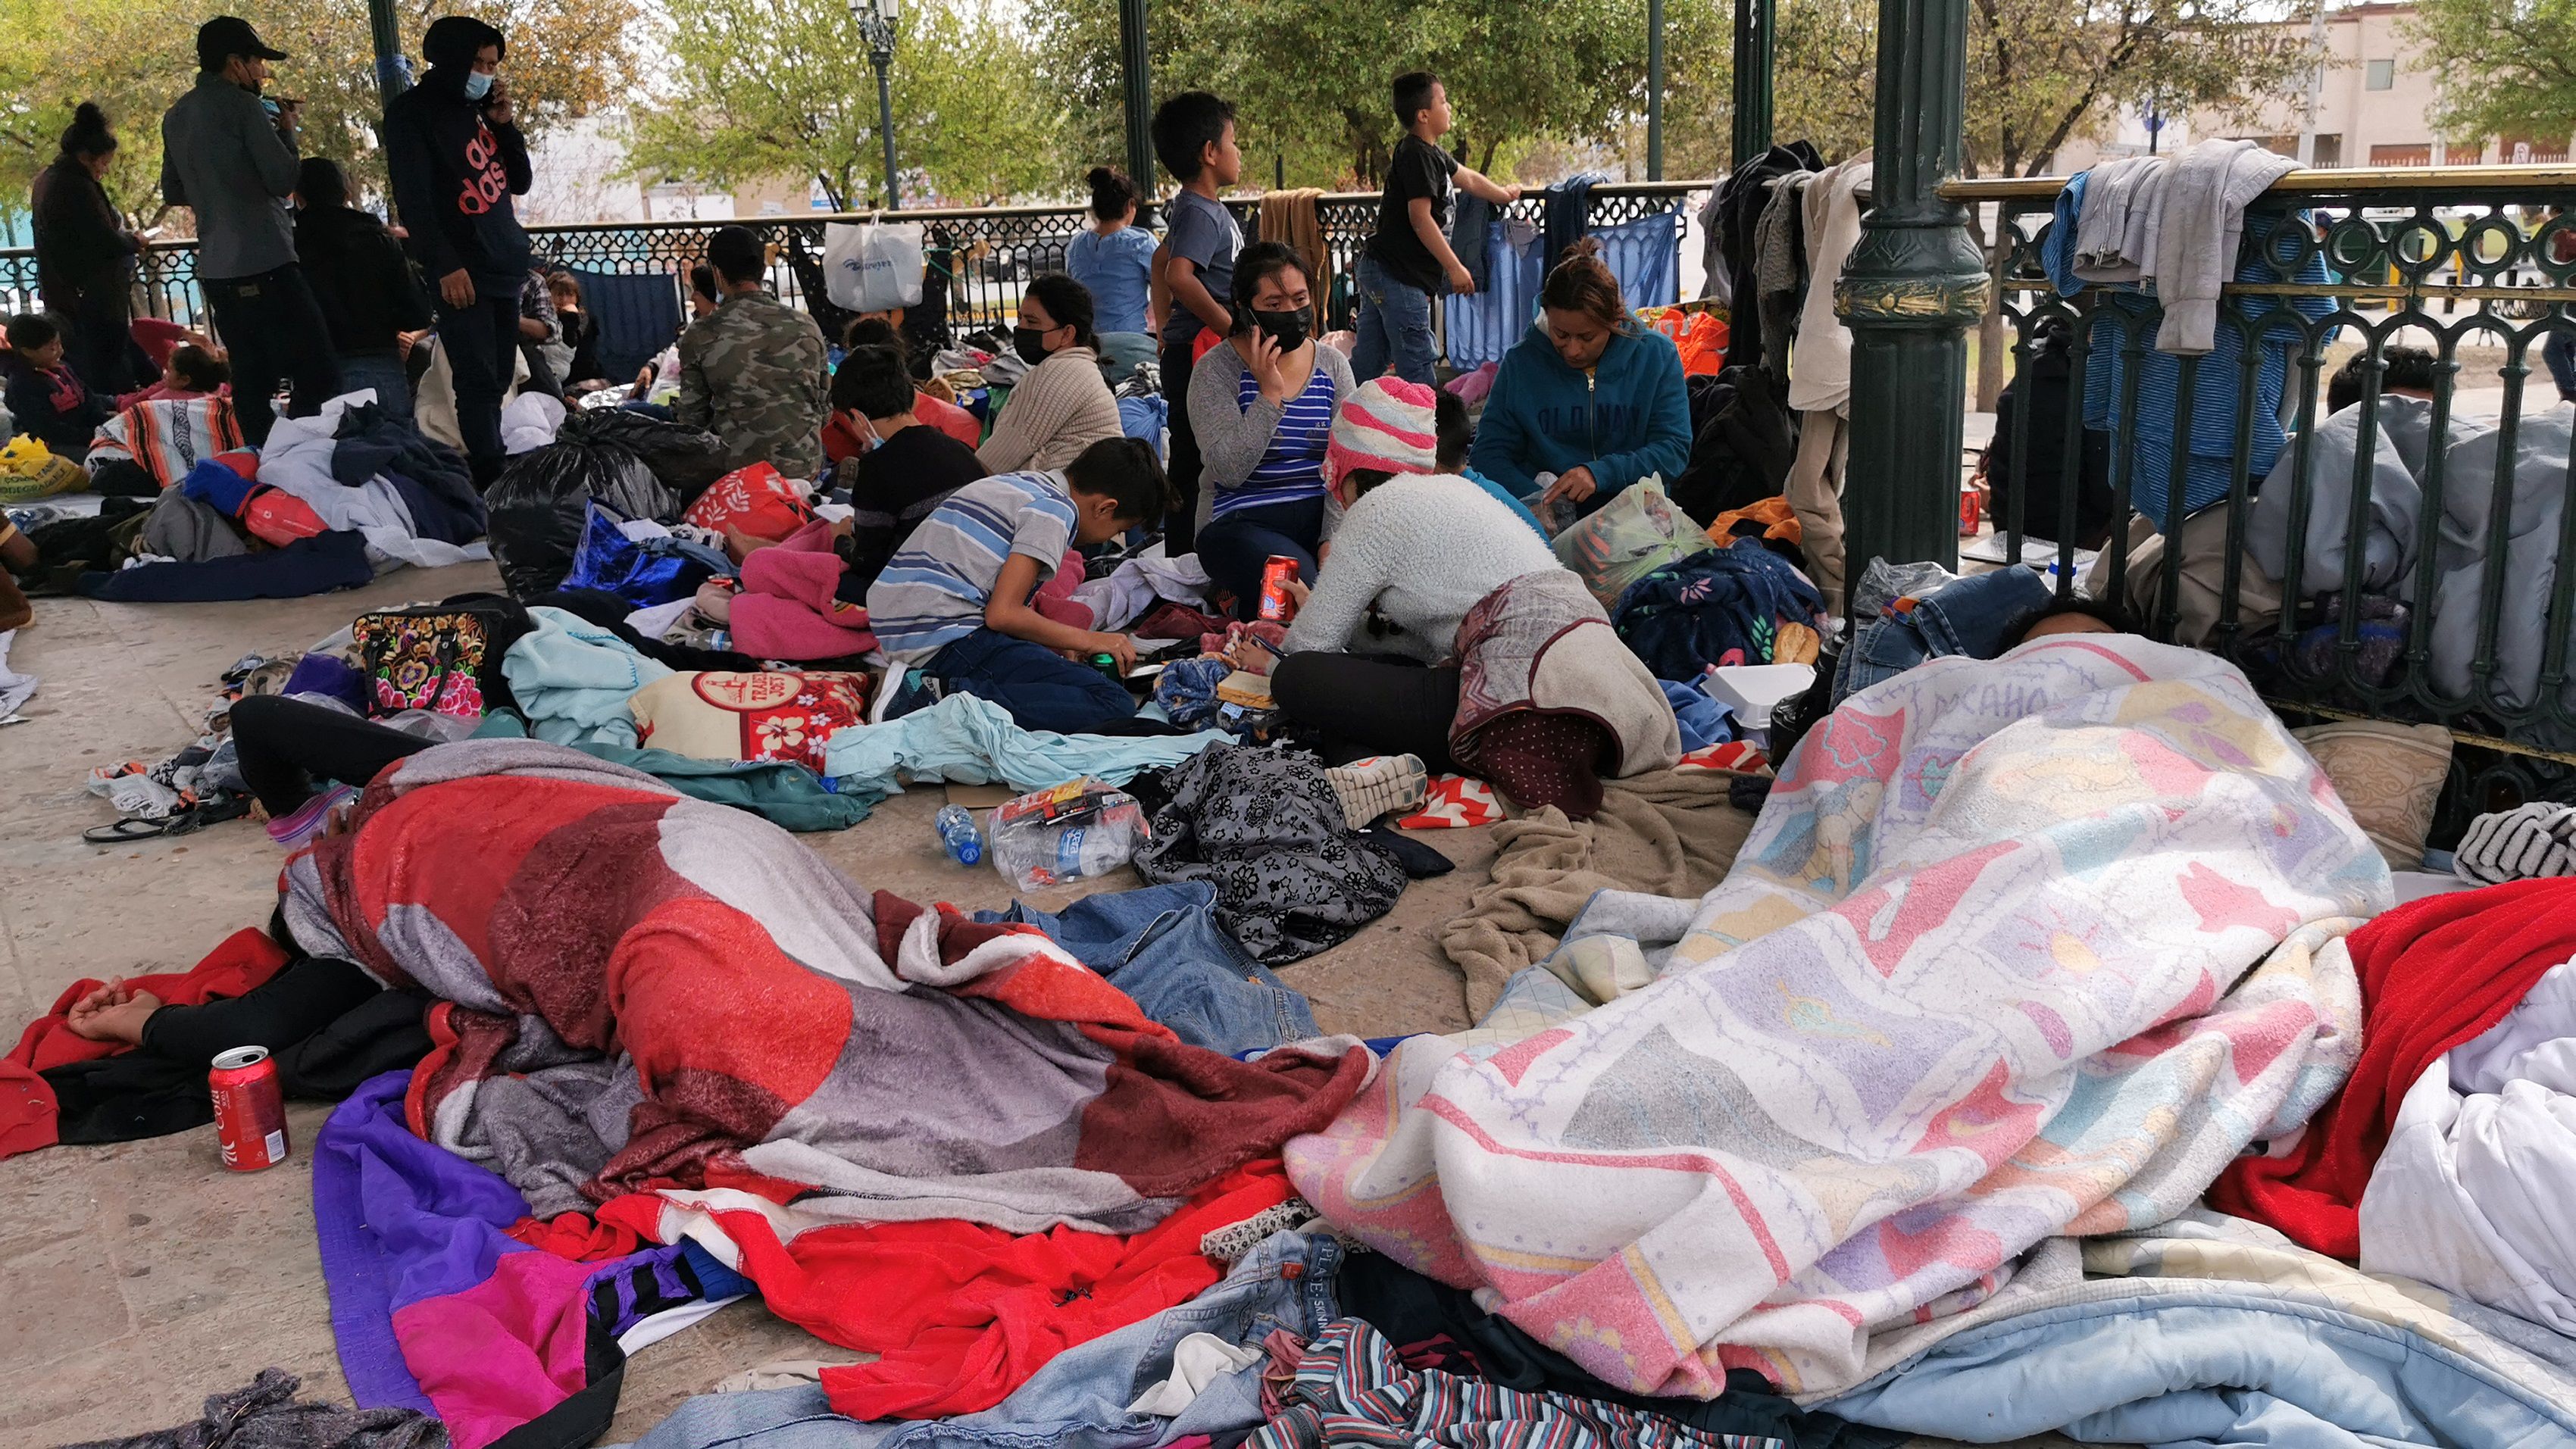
(250, 1109)
(1276, 606)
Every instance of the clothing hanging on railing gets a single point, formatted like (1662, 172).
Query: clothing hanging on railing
(1567, 215)
(1820, 370)
(1290, 217)
(1780, 271)
(1467, 227)
(1743, 196)
(2272, 326)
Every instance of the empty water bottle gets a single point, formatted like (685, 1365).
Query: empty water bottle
(957, 834)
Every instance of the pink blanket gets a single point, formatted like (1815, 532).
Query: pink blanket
(787, 608)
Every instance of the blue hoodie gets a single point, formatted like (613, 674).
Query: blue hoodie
(1630, 418)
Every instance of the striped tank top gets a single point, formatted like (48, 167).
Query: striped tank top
(1292, 470)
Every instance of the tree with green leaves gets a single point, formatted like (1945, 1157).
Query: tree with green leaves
(134, 57)
(759, 90)
(1308, 78)
(2507, 67)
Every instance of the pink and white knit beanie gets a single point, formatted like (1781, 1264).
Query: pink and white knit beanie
(1388, 424)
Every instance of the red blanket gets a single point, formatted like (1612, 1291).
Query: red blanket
(245, 959)
(2433, 975)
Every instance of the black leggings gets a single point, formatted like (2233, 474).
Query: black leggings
(1370, 704)
(302, 998)
(287, 745)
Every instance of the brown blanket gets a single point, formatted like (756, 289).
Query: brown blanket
(1665, 832)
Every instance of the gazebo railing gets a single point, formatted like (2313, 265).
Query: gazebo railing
(985, 253)
(2430, 582)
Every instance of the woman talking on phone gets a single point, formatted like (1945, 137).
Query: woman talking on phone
(453, 145)
(1588, 396)
(1262, 405)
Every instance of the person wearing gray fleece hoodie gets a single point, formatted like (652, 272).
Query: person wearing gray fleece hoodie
(229, 156)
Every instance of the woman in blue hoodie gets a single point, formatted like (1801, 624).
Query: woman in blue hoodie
(1587, 395)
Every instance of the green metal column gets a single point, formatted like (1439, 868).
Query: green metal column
(1752, 79)
(393, 73)
(1136, 85)
(1912, 288)
(1654, 90)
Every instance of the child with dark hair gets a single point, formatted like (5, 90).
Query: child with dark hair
(2405, 371)
(903, 469)
(1194, 139)
(956, 599)
(44, 399)
(1114, 257)
(1455, 437)
(1587, 395)
(840, 442)
(1408, 261)
(1062, 405)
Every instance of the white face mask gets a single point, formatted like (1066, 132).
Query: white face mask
(478, 84)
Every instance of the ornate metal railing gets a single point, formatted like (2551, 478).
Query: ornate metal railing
(2425, 578)
(983, 255)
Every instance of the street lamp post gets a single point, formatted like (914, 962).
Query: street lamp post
(876, 26)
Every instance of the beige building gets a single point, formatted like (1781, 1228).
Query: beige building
(2374, 108)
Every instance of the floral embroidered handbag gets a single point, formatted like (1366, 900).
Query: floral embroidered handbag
(429, 657)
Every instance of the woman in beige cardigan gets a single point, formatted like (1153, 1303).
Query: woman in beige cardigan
(1061, 406)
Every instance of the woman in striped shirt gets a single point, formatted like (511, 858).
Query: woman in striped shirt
(1262, 405)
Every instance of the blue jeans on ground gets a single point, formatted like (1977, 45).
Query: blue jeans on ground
(1042, 689)
(383, 371)
(1236, 546)
(1079, 1400)
(1163, 947)
(1394, 327)
(1972, 616)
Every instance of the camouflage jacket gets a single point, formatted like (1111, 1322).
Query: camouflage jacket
(753, 374)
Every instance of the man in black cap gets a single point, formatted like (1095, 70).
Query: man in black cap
(229, 155)
(453, 145)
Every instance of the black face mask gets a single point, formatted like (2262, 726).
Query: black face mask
(1030, 344)
(1288, 329)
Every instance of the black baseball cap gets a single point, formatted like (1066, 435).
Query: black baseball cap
(230, 35)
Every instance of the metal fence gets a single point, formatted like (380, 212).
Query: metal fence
(981, 256)
(2420, 527)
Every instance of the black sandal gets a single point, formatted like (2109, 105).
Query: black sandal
(132, 828)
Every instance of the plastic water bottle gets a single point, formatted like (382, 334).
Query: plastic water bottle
(957, 835)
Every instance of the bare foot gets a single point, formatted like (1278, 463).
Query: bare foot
(114, 1012)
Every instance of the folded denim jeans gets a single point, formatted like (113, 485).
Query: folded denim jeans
(1971, 616)
(1079, 1400)
(1164, 947)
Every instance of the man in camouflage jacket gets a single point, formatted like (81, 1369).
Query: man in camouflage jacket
(752, 372)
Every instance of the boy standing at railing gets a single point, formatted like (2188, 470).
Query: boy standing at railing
(1194, 139)
(1409, 260)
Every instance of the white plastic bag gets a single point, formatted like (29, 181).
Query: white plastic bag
(1631, 536)
(872, 266)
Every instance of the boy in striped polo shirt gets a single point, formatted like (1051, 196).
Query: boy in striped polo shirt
(954, 600)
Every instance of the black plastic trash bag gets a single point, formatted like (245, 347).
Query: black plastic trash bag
(541, 501)
(686, 459)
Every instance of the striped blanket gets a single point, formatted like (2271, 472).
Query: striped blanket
(641, 992)
(166, 436)
(2017, 949)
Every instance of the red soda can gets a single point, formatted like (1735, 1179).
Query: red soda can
(250, 1110)
(1971, 509)
(1276, 606)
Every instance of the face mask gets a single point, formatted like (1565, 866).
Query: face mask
(477, 85)
(1288, 329)
(1030, 344)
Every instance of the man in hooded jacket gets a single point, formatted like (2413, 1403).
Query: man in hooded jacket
(457, 157)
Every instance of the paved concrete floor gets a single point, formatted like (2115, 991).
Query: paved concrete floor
(137, 1279)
